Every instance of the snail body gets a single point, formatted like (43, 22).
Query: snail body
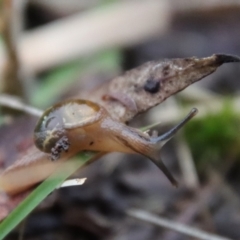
(83, 122)
(85, 125)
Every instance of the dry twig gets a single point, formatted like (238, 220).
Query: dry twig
(186, 163)
(181, 228)
(16, 103)
(12, 74)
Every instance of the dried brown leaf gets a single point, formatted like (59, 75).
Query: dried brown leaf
(153, 82)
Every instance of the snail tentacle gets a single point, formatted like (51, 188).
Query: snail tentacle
(164, 138)
(159, 163)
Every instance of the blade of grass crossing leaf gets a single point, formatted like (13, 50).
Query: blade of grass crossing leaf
(41, 192)
(144, 129)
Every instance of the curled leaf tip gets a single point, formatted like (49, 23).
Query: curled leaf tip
(224, 58)
(193, 112)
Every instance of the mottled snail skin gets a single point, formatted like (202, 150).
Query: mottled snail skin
(88, 126)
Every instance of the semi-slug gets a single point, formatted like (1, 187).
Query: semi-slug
(90, 127)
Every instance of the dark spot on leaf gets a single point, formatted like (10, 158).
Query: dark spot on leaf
(152, 86)
(166, 70)
(91, 143)
(187, 60)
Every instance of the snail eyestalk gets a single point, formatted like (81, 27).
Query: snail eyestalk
(170, 133)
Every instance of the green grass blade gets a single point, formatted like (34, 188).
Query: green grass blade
(151, 126)
(41, 192)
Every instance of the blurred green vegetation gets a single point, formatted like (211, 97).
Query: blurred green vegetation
(215, 138)
(59, 80)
